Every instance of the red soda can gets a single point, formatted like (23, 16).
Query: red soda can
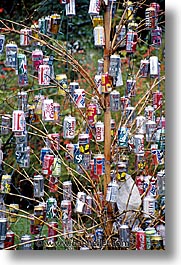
(106, 83)
(47, 110)
(140, 240)
(37, 59)
(52, 230)
(9, 241)
(99, 164)
(139, 183)
(92, 114)
(157, 99)
(44, 74)
(99, 131)
(47, 164)
(131, 41)
(18, 123)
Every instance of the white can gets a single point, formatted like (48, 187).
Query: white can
(99, 36)
(18, 122)
(140, 124)
(44, 74)
(99, 131)
(70, 8)
(69, 127)
(94, 7)
(79, 98)
(154, 66)
(47, 110)
(149, 206)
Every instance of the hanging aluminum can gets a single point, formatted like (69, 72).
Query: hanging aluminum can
(47, 164)
(106, 83)
(144, 68)
(150, 18)
(80, 202)
(152, 190)
(151, 131)
(112, 192)
(160, 228)
(70, 152)
(72, 87)
(66, 208)
(99, 164)
(131, 41)
(130, 114)
(67, 190)
(149, 113)
(161, 182)
(114, 65)
(3, 229)
(139, 181)
(22, 70)
(140, 124)
(149, 206)
(44, 74)
(25, 36)
(156, 37)
(39, 243)
(100, 67)
(47, 110)
(124, 236)
(18, 122)
(37, 59)
(9, 241)
(99, 36)
(84, 143)
(97, 80)
(56, 169)
(11, 55)
(56, 108)
(154, 67)
(130, 87)
(38, 216)
(140, 240)
(38, 183)
(139, 162)
(92, 175)
(70, 8)
(2, 41)
(121, 36)
(149, 231)
(69, 125)
(53, 184)
(88, 205)
(156, 6)
(47, 25)
(49, 61)
(26, 246)
(115, 103)
(62, 80)
(139, 143)
(13, 209)
(156, 242)
(42, 25)
(157, 99)
(51, 208)
(129, 13)
(22, 101)
(43, 152)
(92, 114)
(94, 7)
(5, 124)
(79, 98)
(123, 137)
(97, 20)
(99, 131)
(125, 102)
(52, 230)
(24, 161)
(55, 23)
(53, 141)
(38, 99)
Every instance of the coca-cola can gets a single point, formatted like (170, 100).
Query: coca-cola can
(139, 180)
(99, 131)
(47, 164)
(99, 164)
(47, 110)
(18, 122)
(140, 240)
(157, 99)
(69, 125)
(115, 103)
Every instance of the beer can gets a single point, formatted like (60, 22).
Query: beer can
(67, 190)
(70, 8)
(129, 11)
(79, 98)
(5, 124)
(3, 228)
(156, 242)
(52, 230)
(56, 108)
(140, 124)
(100, 66)
(56, 169)
(47, 164)
(151, 131)
(154, 67)
(157, 99)
(49, 61)
(115, 103)
(72, 87)
(149, 113)
(53, 141)
(130, 114)
(6, 183)
(130, 87)
(88, 205)
(106, 83)
(99, 131)
(62, 80)
(37, 59)
(99, 36)
(11, 55)
(115, 63)
(156, 37)
(139, 181)
(38, 184)
(80, 202)
(94, 7)
(47, 110)
(131, 41)
(92, 175)
(24, 159)
(69, 154)
(161, 182)
(42, 25)
(97, 80)
(144, 68)
(149, 231)
(121, 35)
(69, 125)
(112, 192)
(99, 164)
(123, 137)
(2, 41)
(38, 101)
(9, 241)
(35, 34)
(139, 143)
(91, 113)
(140, 240)
(23, 101)
(124, 236)
(66, 208)
(139, 161)
(54, 23)
(38, 216)
(50, 245)
(125, 102)
(43, 152)
(44, 74)
(51, 208)
(26, 246)
(150, 18)
(149, 206)
(97, 20)
(13, 209)
(39, 243)
(25, 36)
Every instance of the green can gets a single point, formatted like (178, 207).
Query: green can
(149, 231)
(51, 208)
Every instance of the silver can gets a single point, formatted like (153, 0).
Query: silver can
(38, 186)
(124, 236)
(28, 245)
(3, 228)
(67, 190)
(115, 103)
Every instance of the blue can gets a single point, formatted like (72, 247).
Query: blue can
(43, 152)
(123, 137)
